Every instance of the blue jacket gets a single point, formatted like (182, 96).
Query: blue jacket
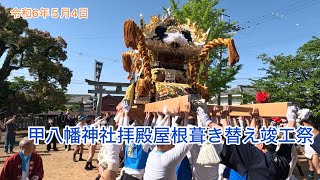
(135, 157)
(183, 170)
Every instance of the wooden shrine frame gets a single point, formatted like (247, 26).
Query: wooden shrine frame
(182, 104)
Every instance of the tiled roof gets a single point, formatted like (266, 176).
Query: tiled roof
(76, 98)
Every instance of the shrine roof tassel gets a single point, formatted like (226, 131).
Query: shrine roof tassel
(232, 53)
(131, 34)
(126, 61)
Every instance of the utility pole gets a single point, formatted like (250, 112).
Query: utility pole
(220, 67)
(219, 72)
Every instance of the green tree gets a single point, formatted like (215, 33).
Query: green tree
(294, 78)
(247, 98)
(19, 96)
(39, 52)
(205, 14)
(74, 108)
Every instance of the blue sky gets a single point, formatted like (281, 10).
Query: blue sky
(276, 26)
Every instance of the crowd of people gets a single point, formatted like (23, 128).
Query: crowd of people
(182, 161)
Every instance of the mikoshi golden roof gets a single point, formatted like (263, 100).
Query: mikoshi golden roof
(160, 34)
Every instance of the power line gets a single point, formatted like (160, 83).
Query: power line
(92, 56)
(101, 37)
(261, 44)
(301, 8)
(278, 10)
(248, 78)
(282, 12)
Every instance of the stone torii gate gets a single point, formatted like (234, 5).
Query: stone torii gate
(100, 91)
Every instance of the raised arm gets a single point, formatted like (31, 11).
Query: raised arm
(264, 122)
(154, 120)
(254, 116)
(175, 122)
(11, 120)
(98, 121)
(186, 119)
(224, 115)
(147, 119)
(285, 149)
(119, 117)
(176, 154)
(159, 119)
(291, 116)
(204, 117)
(126, 109)
(166, 120)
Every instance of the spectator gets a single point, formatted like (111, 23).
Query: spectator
(2, 128)
(61, 121)
(10, 135)
(54, 139)
(23, 165)
(69, 121)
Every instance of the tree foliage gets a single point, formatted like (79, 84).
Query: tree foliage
(19, 96)
(205, 14)
(39, 52)
(294, 78)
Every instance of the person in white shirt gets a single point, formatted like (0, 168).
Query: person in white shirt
(92, 147)
(108, 157)
(109, 161)
(79, 148)
(164, 159)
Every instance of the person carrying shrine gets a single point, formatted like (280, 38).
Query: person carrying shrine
(79, 148)
(312, 151)
(163, 160)
(258, 161)
(92, 146)
(136, 155)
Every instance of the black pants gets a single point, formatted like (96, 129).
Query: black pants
(126, 176)
(54, 142)
(66, 146)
